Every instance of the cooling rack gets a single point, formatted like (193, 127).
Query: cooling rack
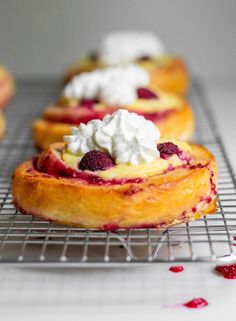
(25, 240)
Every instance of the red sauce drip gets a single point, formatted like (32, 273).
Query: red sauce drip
(76, 119)
(113, 227)
(213, 185)
(91, 114)
(158, 116)
(228, 271)
(176, 268)
(59, 170)
(196, 303)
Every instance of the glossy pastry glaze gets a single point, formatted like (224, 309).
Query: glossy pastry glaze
(49, 188)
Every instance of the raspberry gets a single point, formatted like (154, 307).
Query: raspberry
(87, 103)
(96, 160)
(93, 55)
(145, 93)
(144, 58)
(168, 149)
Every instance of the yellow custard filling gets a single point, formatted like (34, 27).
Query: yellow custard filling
(148, 64)
(164, 102)
(143, 170)
(86, 63)
(160, 61)
(132, 171)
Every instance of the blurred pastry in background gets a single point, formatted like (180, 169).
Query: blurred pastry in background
(7, 87)
(92, 95)
(168, 72)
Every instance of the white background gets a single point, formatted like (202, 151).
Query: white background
(42, 37)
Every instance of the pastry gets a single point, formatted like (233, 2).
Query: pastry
(117, 173)
(93, 95)
(7, 87)
(166, 71)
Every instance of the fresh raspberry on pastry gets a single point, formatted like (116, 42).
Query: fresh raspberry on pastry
(95, 160)
(95, 94)
(168, 149)
(145, 93)
(118, 173)
(7, 87)
(166, 71)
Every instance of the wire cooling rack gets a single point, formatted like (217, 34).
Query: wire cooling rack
(27, 240)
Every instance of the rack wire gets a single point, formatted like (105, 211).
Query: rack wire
(27, 240)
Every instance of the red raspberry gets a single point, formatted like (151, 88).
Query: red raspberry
(87, 103)
(168, 149)
(144, 58)
(96, 160)
(145, 93)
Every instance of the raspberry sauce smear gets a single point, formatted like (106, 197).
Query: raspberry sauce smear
(196, 303)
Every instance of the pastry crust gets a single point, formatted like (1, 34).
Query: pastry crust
(183, 194)
(2, 125)
(172, 75)
(45, 133)
(7, 87)
(179, 124)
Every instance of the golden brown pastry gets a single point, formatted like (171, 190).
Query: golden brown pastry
(167, 72)
(170, 112)
(114, 174)
(7, 87)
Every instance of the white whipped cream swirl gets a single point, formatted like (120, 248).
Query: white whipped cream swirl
(127, 137)
(114, 86)
(126, 46)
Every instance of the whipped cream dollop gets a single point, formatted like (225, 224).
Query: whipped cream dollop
(114, 86)
(127, 137)
(127, 46)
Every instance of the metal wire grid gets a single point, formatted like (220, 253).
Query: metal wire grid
(28, 240)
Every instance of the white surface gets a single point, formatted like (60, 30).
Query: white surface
(222, 97)
(114, 294)
(150, 292)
